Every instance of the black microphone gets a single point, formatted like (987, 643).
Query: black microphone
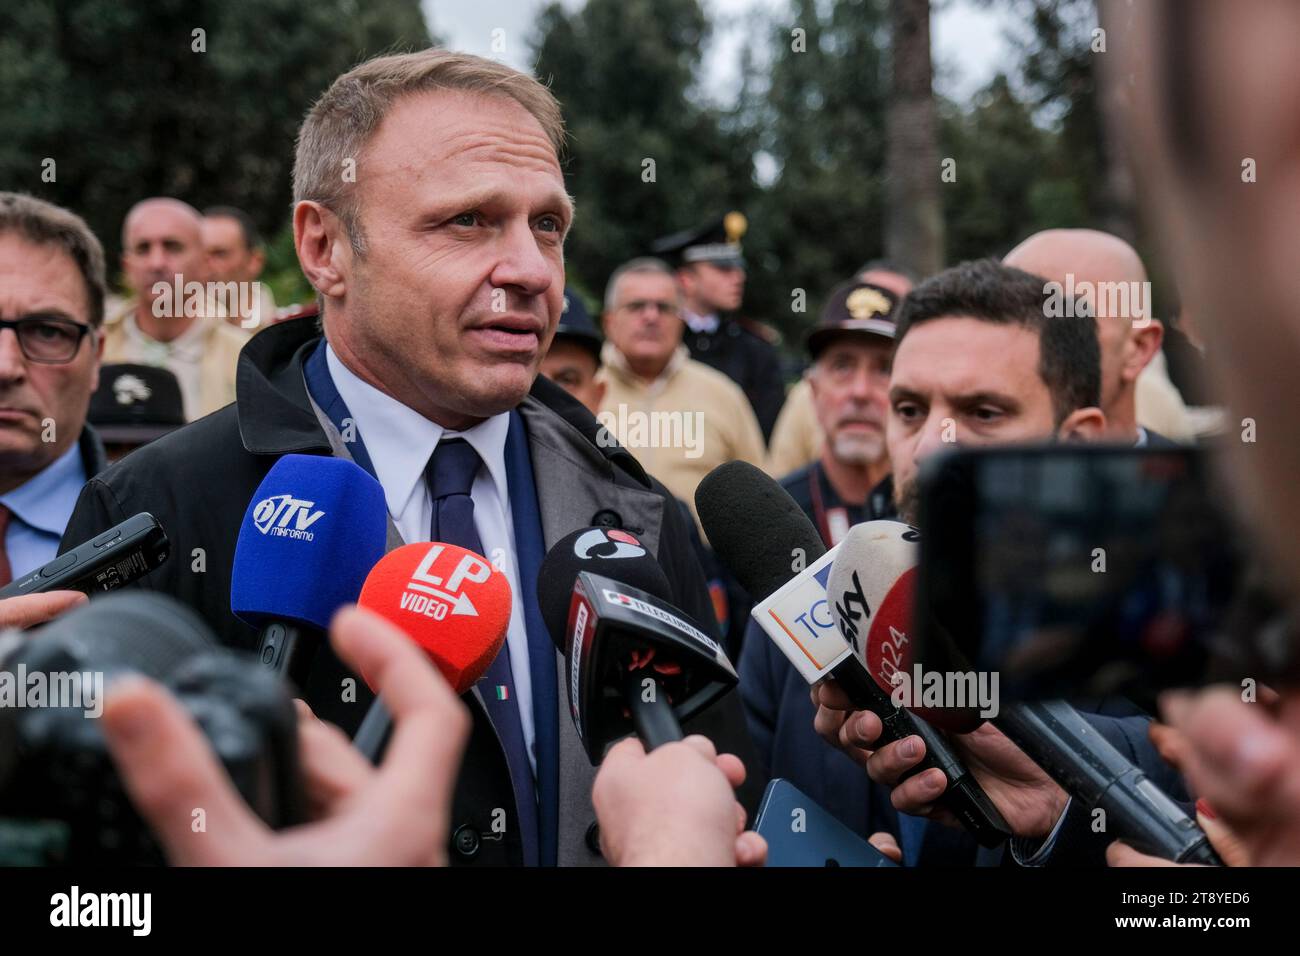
(1058, 738)
(779, 558)
(634, 662)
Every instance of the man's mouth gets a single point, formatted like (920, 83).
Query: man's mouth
(522, 333)
(861, 423)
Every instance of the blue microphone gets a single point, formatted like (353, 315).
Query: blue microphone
(312, 532)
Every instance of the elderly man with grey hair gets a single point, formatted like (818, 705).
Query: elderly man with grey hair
(680, 417)
(430, 215)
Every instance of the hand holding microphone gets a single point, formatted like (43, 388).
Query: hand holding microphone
(673, 806)
(788, 570)
(1028, 799)
(1244, 762)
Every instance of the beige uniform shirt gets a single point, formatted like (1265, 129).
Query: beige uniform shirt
(681, 426)
(203, 358)
(796, 437)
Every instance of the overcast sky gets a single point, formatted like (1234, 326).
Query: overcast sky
(967, 38)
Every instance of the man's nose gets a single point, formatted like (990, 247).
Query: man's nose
(157, 259)
(13, 364)
(932, 437)
(522, 264)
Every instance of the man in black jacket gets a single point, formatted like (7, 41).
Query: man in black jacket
(439, 262)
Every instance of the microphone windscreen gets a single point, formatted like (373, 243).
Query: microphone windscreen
(872, 596)
(757, 530)
(448, 600)
(311, 534)
(609, 552)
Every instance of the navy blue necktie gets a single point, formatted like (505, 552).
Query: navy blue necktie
(450, 476)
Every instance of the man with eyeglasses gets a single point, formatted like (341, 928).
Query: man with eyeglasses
(679, 417)
(52, 291)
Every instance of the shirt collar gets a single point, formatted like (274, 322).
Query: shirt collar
(701, 323)
(400, 441)
(1142, 438)
(45, 501)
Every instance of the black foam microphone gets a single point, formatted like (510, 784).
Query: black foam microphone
(634, 662)
(779, 558)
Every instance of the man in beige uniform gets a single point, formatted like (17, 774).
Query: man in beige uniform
(680, 418)
(165, 323)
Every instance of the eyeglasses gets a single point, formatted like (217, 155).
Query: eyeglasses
(46, 339)
(640, 305)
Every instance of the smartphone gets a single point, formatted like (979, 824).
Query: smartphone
(800, 832)
(107, 561)
(1083, 572)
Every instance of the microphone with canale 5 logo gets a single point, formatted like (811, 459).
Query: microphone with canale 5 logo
(794, 609)
(451, 602)
(633, 661)
(871, 589)
(311, 534)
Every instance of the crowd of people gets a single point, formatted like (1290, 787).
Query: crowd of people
(443, 328)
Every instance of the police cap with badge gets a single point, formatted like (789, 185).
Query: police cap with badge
(854, 308)
(716, 241)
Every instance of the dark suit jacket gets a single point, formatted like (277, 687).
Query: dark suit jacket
(198, 482)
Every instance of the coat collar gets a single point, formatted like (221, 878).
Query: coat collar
(276, 416)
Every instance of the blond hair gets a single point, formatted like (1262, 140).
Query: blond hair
(45, 224)
(339, 125)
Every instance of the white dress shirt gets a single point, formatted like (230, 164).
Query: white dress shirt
(400, 442)
(701, 323)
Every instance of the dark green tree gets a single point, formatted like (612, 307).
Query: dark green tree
(198, 99)
(1011, 179)
(818, 103)
(648, 155)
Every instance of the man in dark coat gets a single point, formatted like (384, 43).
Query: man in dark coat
(441, 274)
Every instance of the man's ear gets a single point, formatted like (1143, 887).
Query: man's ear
(599, 387)
(324, 251)
(1082, 425)
(1140, 347)
(811, 379)
(258, 260)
